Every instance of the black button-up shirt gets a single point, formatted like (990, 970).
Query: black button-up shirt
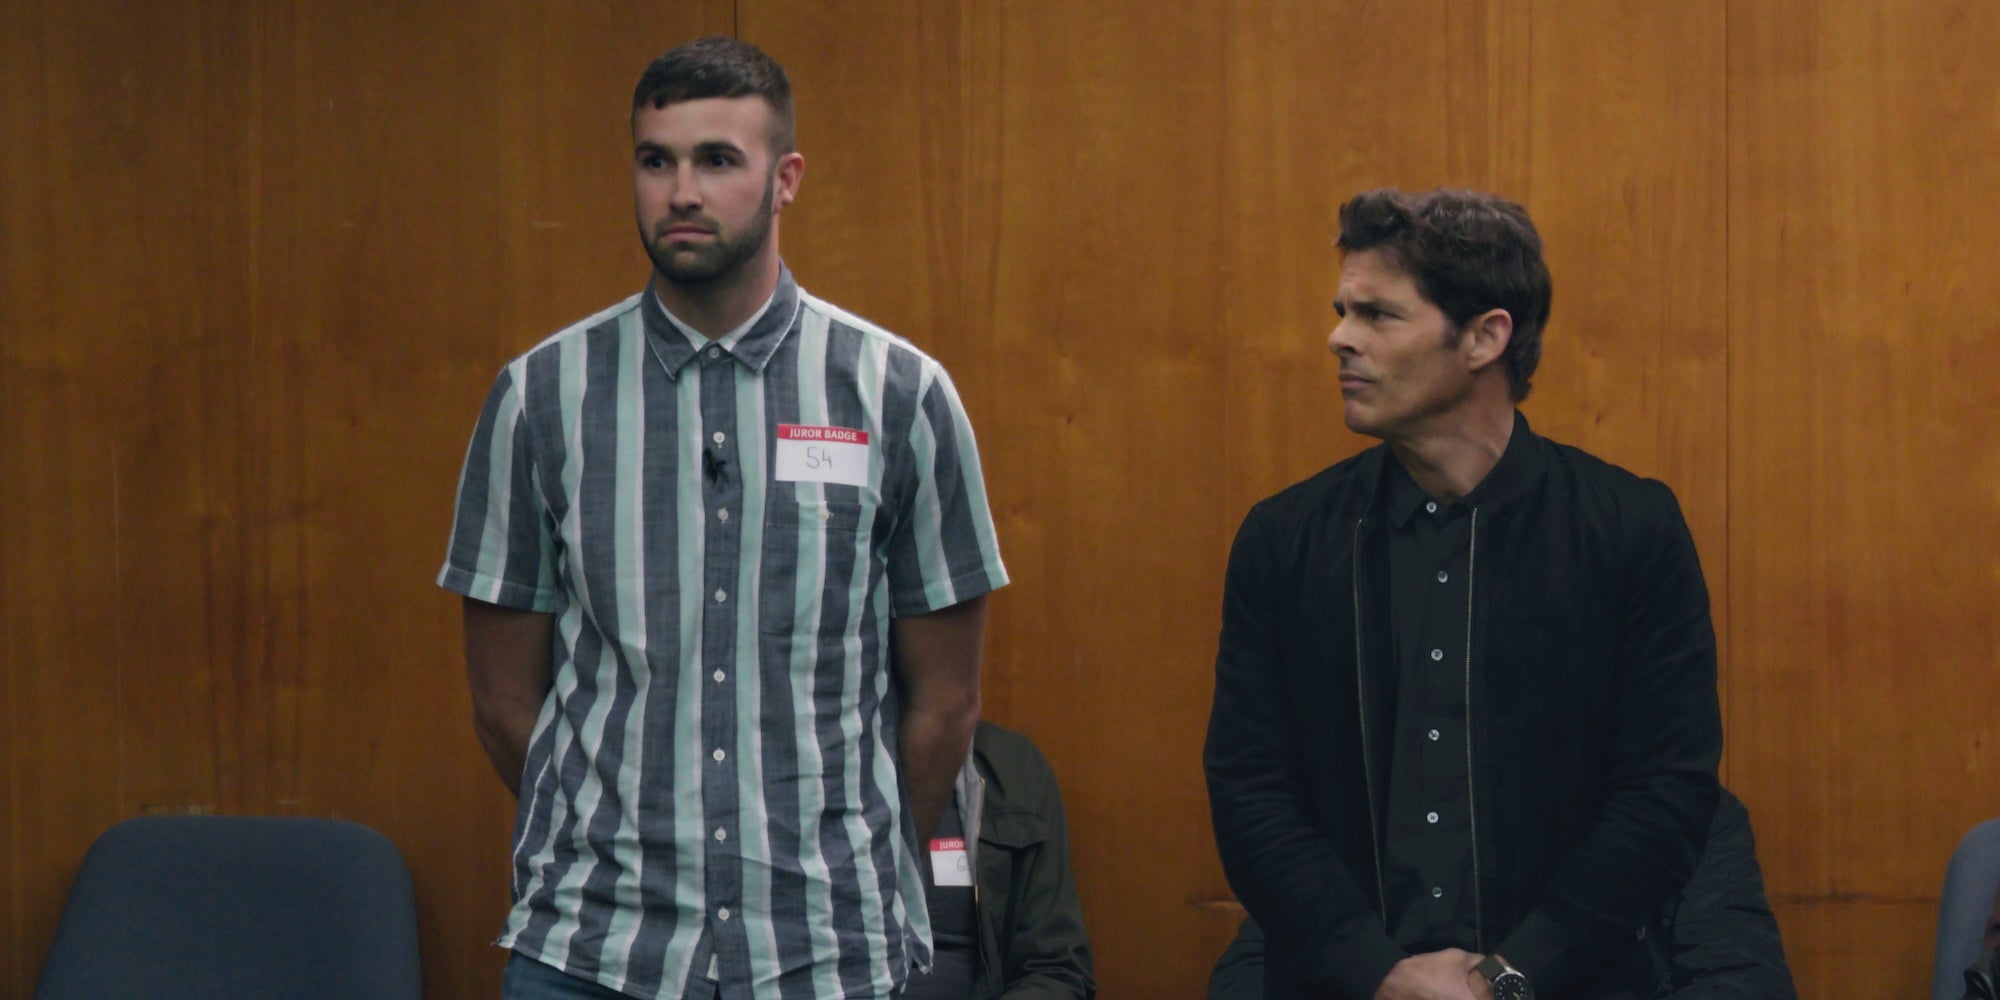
(1427, 846)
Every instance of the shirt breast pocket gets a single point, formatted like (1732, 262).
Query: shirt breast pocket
(818, 565)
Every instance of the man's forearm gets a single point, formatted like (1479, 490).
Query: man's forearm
(937, 671)
(507, 660)
(935, 740)
(505, 739)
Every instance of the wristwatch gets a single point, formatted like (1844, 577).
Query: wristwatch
(1508, 982)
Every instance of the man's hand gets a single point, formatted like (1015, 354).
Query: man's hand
(1480, 987)
(1437, 975)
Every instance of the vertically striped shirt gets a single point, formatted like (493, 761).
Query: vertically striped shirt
(723, 533)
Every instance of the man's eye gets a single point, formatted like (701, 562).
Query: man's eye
(718, 161)
(653, 162)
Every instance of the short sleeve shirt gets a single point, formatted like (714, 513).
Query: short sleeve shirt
(723, 532)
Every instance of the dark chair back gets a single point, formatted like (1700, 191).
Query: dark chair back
(240, 907)
(1971, 881)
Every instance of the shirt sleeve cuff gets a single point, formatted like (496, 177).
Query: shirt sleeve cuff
(1537, 947)
(964, 587)
(494, 590)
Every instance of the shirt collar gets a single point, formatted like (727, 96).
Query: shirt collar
(1400, 492)
(752, 344)
(1519, 467)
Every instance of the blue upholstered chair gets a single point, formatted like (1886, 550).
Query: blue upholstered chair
(238, 907)
(1971, 882)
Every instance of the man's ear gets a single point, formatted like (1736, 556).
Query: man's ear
(1485, 338)
(791, 170)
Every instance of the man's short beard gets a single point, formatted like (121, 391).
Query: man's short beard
(723, 257)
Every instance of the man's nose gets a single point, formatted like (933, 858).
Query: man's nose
(686, 192)
(1340, 342)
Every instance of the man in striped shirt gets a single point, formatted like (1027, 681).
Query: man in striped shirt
(724, 550)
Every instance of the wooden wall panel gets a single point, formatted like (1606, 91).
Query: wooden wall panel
(1626, 181)
(262, 262)
(1007, 186)
(1034, 195)
(1864, 476)
(263, 257)
(1610, 144)
(112, 443)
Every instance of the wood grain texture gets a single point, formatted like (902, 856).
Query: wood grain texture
(1864, 476)
(260, 259)
(1116, 230)
(1859, 948)
(1007, 186)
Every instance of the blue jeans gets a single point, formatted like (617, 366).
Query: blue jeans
(527, 979)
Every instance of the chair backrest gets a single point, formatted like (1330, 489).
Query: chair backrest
(1971, 882)
(233, 906)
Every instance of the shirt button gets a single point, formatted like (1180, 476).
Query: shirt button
(1437, 892)
(723, 515)
(715, 352)
(719, 675)
(1432, 507)
(1433, 734)
(722, 595)
(718, 437)
(1442, 575)
(721, 835)
(1436, 654)
(722, 914)
(1430, 817)
(718, 755)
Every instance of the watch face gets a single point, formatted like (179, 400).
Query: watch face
(1511, 986)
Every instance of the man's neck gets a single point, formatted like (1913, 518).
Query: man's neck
(1450, 461)
(714, 308)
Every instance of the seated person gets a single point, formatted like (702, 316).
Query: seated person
(1724, 942)
(1968, 941)
(1005, 919)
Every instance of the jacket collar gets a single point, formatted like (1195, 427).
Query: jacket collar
(1519, 470)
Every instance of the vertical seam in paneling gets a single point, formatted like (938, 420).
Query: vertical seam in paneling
(1726, 640)
(1528, 157)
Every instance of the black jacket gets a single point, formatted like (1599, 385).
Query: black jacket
(1032, 942)
(1724, 938)
(1593, 719)
(1725, 943)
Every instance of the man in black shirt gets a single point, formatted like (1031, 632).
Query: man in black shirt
(1465, 728)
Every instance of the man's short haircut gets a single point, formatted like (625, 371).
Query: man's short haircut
(720, 67)
(1467, 253)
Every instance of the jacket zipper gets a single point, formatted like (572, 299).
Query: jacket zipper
(972, 816)
(1471, 796)
(1367, 764)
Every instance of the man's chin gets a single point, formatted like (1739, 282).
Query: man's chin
(1359, 421)
(681, 269)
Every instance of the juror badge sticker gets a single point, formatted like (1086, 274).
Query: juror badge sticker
(809, 454)
(948, 864)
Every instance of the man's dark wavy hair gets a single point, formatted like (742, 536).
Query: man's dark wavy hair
(1467, 253)
(720, 67)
